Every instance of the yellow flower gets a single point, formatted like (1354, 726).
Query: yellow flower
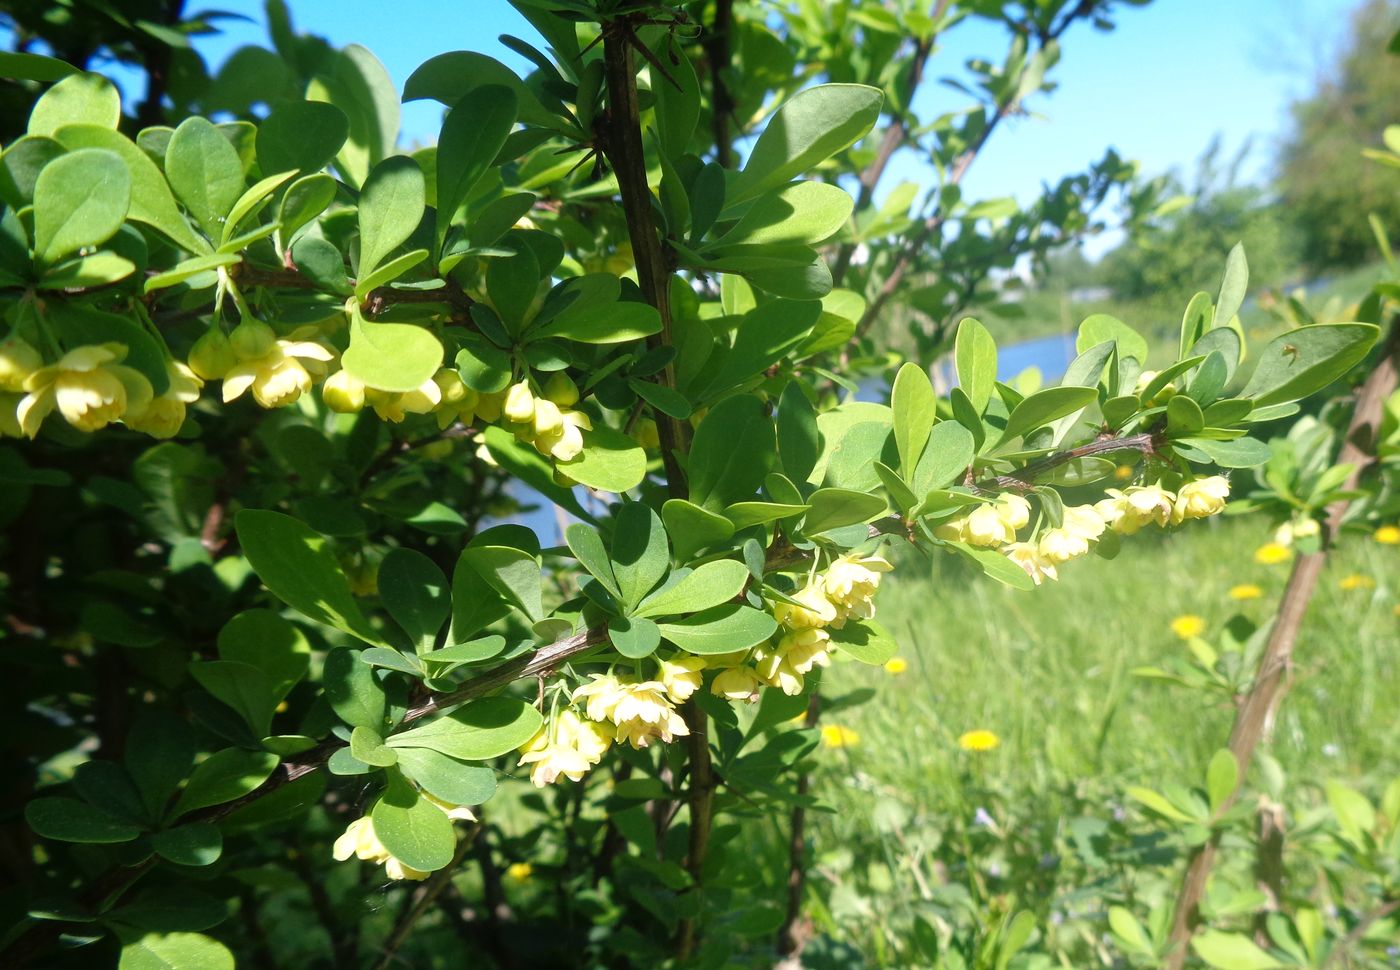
(1200, 498)
(561, 390)
(776, 670)
(682, 677)
(279, 377)
(89, 386)
(212, 355)
(569, 747)
(458, 402)
(1272, 553)
(640, 710)
(164, 415)
(815, 611)
(343, 393)
(1123, 472)
(735, 684)
(836, 736)
(1245, 591)
(850, 584)
(18, 359)
(564, 442)
(646, 434)
(805, 649)
(1356, 581)
(1388, 535)
(519, 404)
(1130, 509)
(395, 406)
(978, 740)
(520, 871)
(896, 665)
(1028, 557)
(1188, 625)
(252, 339)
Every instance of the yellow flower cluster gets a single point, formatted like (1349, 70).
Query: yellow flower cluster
(640, 710)
(252, 358)
(91, 388)
(845, 590)
(989, 525)
(568, 746)
(1129, 510)
(548, 421)
(360, 840)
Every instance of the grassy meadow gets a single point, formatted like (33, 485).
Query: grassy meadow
(923, 827)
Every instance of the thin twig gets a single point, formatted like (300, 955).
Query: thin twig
(426, 894)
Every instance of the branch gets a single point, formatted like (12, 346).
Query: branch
(429, 891)
(622, 144)
(717, 53)
(1254, 716)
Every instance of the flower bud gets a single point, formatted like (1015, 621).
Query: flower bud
(212, 355)
(252, 339)
(646, 434)
(343, 393)
(561, 390)
(489, 406)
(548, 420)
(18, 359)
(519, 404)
(1202, 497)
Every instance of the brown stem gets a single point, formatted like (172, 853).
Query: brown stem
(894, 137)
(790, 935)
(622, 142)
(427, 893)
(717, 53)
(702, 787)
(1254, 716)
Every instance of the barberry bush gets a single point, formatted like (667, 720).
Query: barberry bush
(272, 388)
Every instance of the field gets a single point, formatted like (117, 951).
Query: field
(924, 828)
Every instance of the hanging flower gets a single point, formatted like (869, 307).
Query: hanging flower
(89, 386)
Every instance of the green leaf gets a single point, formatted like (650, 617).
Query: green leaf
(1099, 327)
(946, 457)
(677, 97)
(249, 203)
(1195, 322)
(477, 731)
(196, 844)
(416, 593)
(391, 206)
(80, 199)
(301, 136)
(513, 573)
(448, 77)
(640, 555)
(610, 461)
(797, 213)
(708, 585)
(352, 689)
(262, 639)
(634, 636)
(159, 750)
(297, 565)
(730, 453)
(1233, 287)
(832, 508)
(69, 820)
(1235, 453)
(765, 336)
(1159, 804)
(661, 398)
(915, 408)
(34, 67)
(78, 99)
(864, 640)
(1231, 951)
(587, 546)
(1355, 814)
(304, 200)
(799, 442)
(1222, 775)
(391, 356)
(606, 323)
(473, 134)
(1184, 416)
(99, 269)
(809, 128)
(366, 745)
(175, 951)
(189, 268)
(746, 514)
(1301, 361)
(975, 356)
(242, 687)
(224, 776)
(151, 200)
(453, 781)
(721, 629)
(997, 566)
(473, 651)
(1045, 406)
(413, 829)
(692, 528)
(205, 172)
(1129, 931)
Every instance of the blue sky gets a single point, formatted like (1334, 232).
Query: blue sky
(1158, 88)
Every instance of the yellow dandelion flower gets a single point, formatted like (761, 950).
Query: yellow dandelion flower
(1188, 625)
(1388, 535)
(520, 871)
(896, 665)
(1272, 553)
(1123, 472)
(1245, 591)
(1356, 581)
(979, 740)
(836, 736)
